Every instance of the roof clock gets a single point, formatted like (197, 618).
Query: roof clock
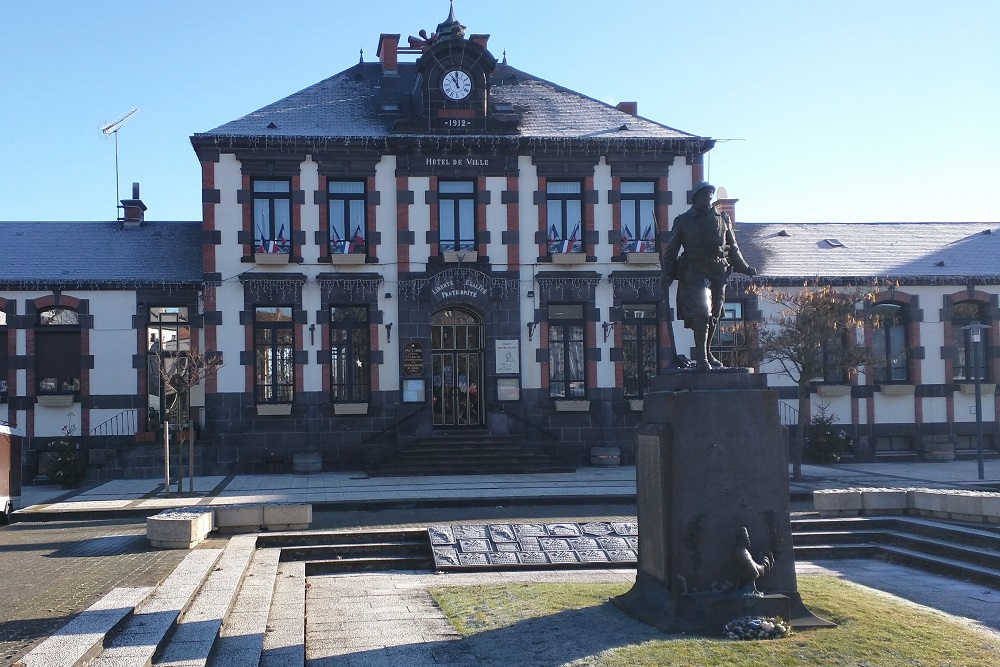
(456, 84)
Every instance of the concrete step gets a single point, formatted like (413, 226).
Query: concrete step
(948, 567)
(285, 635)
(241, 638)
(380, 564)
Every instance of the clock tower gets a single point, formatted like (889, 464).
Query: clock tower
(452, 82)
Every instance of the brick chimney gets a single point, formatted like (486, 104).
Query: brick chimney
(133, 210)
(631, 108)
(480, 39)
(724, 203)
(388, 53)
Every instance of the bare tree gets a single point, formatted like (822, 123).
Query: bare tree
(815, 334)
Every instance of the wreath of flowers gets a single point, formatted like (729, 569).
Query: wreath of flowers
(749, 628)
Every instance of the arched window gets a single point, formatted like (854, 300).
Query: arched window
(57, 352)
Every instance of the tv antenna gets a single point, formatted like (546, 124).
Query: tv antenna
(108, 130)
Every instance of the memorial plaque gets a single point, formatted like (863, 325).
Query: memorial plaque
(508, 546)
(445, 557)
(553, 544)
(529, 543)
(625, 528)
(593, 556)
(563, 529)
(532, 557)
(441, 534)
(583, 543)
(475, 560)
(501, 532)
(612, 542)
(597, 528)
(470, 532)
(562, 556)
(532, 529)
(505, 558)
(622, 555)
(474, 546)
(413, 359)
(508, 357)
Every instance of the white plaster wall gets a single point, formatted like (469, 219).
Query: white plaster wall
(230, 337)
(385, 222)
(228, 217)
(420, 222)
(312, 372)
(527, 212)
(931, 335)
(603, 218)
(965, 407)
(309, 211)
(112, 342)
(679, 182)
(895, 410)
(50, 421)
(496, 222)
(836, 405)
(605, 367)
(935, 409)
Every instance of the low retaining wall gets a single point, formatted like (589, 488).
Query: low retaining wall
(184, 528)
(975, 506)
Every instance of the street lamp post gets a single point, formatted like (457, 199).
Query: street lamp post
(975, 330)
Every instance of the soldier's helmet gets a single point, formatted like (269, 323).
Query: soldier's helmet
(701, 185)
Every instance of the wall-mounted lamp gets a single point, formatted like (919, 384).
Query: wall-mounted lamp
(312, 334)
(531, 329)
(608, 328)
(531, 294)
(388, 295)
(388, 332)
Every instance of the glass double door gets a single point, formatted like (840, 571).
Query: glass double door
(457, 361)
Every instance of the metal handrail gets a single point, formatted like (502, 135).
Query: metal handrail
(787, 414)
(548, 434)
(124, 423)
(394, 425)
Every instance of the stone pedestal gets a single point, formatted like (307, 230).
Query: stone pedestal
(709, 463)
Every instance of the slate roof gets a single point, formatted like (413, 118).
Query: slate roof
(906, 250)
(88, 253)
(348, 104)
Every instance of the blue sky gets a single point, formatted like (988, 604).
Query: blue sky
(840, 111)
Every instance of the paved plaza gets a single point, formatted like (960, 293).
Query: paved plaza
(93, 541)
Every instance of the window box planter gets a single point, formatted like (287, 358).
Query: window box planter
(635, 404)
(464, 256)
(568, 258)
(350, 408)
(642, 258)
(346, 260)
(56, 400)
(985, 388)
(897, 389)
(834, 389)
(572, 406)
(274, 409)
(270, 258)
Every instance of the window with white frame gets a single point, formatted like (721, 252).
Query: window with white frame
(348, 223)
(272, 216)
(274, 352)
(564, 216)
(638, 218)
(567, 367)
(729, 345)
(457, 216)
(168, 336)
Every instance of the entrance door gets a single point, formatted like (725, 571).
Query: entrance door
(457, 358)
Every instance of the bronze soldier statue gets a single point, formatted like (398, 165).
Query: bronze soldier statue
(710, 256)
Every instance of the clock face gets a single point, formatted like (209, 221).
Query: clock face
(456, 84)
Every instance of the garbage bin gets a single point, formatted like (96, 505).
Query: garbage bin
(10, 471)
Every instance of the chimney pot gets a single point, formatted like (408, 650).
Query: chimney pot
(134, 211)
(631, 108)
(388, 53)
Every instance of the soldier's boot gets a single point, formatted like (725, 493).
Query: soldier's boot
(701, 347)
(712, 361)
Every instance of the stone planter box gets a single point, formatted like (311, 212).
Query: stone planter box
(274, 409)
(350, 408)
(568, 257)
(270, 258)
(463, 256)
(883, 501)
(342, 259)
(56, 400)
(307, 463)
(846, 502)
(238, 518)
(985, 388)
(642, 258)
(572, 406)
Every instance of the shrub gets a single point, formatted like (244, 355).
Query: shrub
(66, 467)
(826, 441)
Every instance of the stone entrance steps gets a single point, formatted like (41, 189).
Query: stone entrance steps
(466, 453)
(953, 550)
(244, 604)
(367, 551)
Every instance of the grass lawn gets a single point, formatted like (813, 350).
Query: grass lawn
(579, 625)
